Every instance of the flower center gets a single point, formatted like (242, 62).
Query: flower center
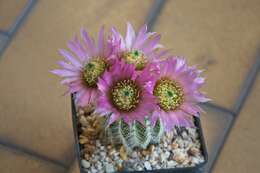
(135, 57)
(169, 93)
(125, 95)
(93, 70)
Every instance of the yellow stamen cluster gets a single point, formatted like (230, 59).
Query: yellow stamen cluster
(169, 93)
(137, 58)
(125, 95)
(93, 70)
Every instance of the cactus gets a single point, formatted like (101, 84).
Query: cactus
(134, 135)
(158, 131)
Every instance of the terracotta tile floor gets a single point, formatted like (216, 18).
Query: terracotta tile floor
(74, 168)
(16, 162)
(241, 151)
(221, 36)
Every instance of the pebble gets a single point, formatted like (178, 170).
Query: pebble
(111, 152)
(180, 142)
(83, 140)
(139, 168)
(169, 147)
(80, 112)
(85, 163)
(179, 157)
(147, 165)
(109, 168)
(145, 153)
(88, 109)
(193, 133)
(132, 161)
(103, 154)
(184, 135)
(169, 135)
(153, 162)
(157, 167)
(134, 154)
(165, 156)
(98, 144)
(122, 153)
(107, 159)
(151, 148)
(174, 145)
(93, 169)
(172, 164)
(165, 145)
(83, 121)
(120, 167)
(87, 156)
(99, 165)
(193, 151)
(195, 160)
(155, 154)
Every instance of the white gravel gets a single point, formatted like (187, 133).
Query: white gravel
(173, 151)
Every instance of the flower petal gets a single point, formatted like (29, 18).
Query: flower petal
(151, 44)
(89, 43)
(70, 58)
(130, 36)
(101, 40)
(64, 73)
(77, 48)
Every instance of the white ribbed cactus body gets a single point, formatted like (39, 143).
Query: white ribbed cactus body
(136, 135)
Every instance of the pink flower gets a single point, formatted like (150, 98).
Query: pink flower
(177, 91)
(138, 49)
(125, 93)
(81, 70)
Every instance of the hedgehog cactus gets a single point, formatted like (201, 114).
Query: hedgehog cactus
(135, 135)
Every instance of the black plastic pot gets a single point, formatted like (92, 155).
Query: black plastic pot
(194, 169)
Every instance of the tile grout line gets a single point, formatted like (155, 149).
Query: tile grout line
(219, 108)
(31, 153)
(222, 145)
(248, 84)
(154, 13)
(4, 33)
(22, 17)
(230, 113)
(19, 21)
(245, 91)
